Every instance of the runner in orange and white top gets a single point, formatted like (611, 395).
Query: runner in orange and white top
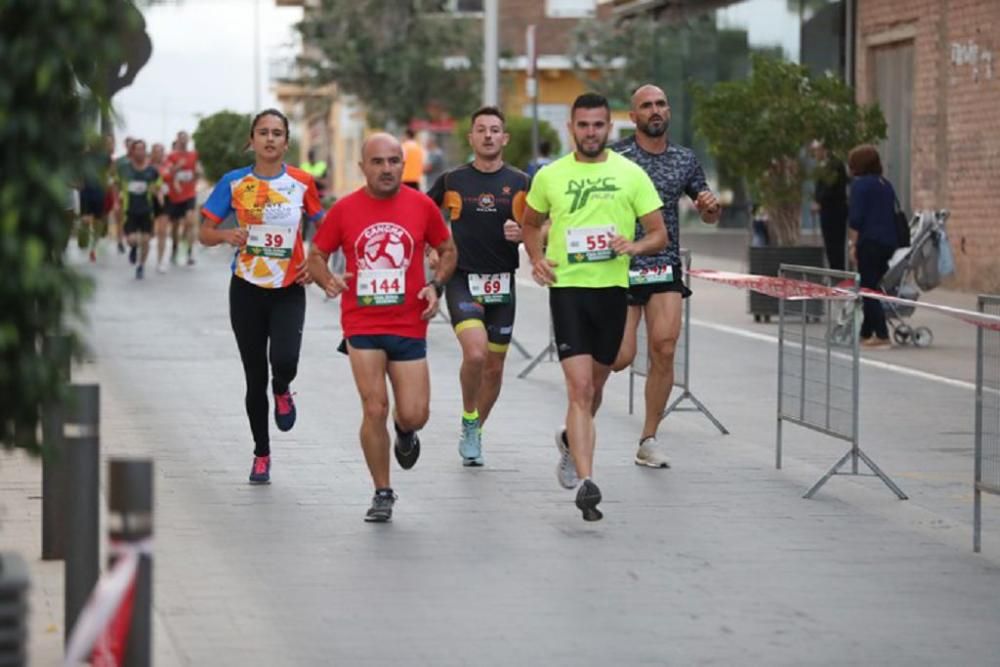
(183, 166)
(267, 301)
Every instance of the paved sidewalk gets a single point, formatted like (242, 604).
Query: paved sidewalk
(717, 561)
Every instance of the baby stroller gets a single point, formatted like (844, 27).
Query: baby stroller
(912, 270)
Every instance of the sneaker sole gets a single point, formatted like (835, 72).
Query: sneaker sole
(643, 462)
(407, 464)
(378, 519)
(473, 463)
(259, 482)
(588, 506)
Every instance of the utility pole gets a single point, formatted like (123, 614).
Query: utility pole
(491, 52)
(532, 87)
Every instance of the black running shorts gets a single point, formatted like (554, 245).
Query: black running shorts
(141, 223)
(588, 320)
(494, 312)
(178, 210)
(638, 295)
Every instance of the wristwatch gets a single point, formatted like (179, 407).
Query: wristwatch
(438, 287)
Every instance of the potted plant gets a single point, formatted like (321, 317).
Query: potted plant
(759, 129)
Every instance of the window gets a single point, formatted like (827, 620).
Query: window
(570, 9)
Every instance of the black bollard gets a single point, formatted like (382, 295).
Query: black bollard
(82, 442)
(131, 526)
(59, 348)
(14, 585)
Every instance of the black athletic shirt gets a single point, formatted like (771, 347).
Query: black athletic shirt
(478, 204)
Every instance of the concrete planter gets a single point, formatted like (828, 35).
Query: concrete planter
(764, 261)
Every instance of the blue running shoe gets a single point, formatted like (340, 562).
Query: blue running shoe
(260, 472)
(470, 444)
(284, 411)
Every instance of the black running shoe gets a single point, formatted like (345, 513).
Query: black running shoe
(381, 509)
(132, 251)
(587, 498)
(407, 449)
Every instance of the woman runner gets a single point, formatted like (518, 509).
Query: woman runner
(267, 302)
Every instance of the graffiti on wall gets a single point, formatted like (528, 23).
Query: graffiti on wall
(971, 54)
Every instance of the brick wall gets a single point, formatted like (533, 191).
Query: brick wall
(955, 136)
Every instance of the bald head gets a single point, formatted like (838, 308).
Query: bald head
(380, 142)
(382, 165)
(650, 111)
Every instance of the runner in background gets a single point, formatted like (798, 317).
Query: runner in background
(160, 219)
(184, 173)
(383, 229)
(656, 284)
(267, 300)
(413, 160)
(140, 183)
(116, 215)
(483, 199)
(94, 193)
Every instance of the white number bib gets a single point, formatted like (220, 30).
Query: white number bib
(381, 287)
(589, 244)
(653, 274)
(184, 175)
(274, 241)
(490, 287)
(138, 187)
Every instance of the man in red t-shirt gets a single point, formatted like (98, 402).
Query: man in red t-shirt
(182, 165)
(384, 231)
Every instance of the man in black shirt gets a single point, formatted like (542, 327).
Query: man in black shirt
(830, 201)
(482, 199)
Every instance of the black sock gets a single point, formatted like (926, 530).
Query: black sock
(385, 491)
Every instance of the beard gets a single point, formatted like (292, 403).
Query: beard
(593, 152)
(654, 128)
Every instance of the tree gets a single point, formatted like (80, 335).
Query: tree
(395, 56)
(518, 151)
(222, 143)
(58, 60)
(613, 57)
(760, 127)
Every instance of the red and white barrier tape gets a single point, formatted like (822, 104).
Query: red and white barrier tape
(101, 630)
(798, 290)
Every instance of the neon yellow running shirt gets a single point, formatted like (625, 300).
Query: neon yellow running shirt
(587, 202)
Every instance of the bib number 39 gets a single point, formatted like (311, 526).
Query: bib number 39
(489, 288)
(272, 241)
(589, 244)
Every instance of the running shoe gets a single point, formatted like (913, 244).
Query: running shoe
(190, 260)
(260, 472)
(121, 248)
(470, 444)
(284, 411)
(651, 453)
(132, 251)
(381, 509)
(139, 272)
(407, 449)
(161, 268)
(93, 256)
(587, 498)
(566, 470)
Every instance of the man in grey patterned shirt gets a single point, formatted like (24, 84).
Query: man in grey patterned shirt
(655, 281)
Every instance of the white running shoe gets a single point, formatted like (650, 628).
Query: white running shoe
(160, 268)
(566, 470)
(651, 454)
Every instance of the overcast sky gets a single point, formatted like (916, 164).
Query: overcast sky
(202, 62)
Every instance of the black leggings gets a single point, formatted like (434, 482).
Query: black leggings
(258, 314)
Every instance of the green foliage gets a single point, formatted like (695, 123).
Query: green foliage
(613, 57)
(759, 128)
(221, 140)
(518, 151)
(391, 55)
(55, 57)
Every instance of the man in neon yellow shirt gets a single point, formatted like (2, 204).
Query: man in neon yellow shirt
(593, 198)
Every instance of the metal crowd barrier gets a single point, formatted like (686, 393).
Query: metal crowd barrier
(682, 361)
(987, 467)
(819, 367)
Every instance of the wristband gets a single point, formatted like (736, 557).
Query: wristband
(438, 287)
